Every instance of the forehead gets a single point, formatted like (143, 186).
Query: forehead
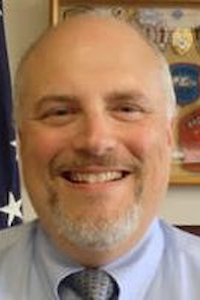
(89, 45)
(82, 36)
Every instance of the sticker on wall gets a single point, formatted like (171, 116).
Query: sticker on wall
(119, 12)
(177, 14)
(76, 10)
(150, 31)
(182, 40)
(158, 35)
(162, 37)
(189, 140)
(154, 27)
(197, 37)
(185, 78)
(148, 16)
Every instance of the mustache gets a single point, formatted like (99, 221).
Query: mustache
(81, 161)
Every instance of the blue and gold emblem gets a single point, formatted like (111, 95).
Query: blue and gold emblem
(182, 40)
(186, 82)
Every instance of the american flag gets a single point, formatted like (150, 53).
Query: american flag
(10, 199)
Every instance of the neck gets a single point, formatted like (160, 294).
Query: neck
(90, 257)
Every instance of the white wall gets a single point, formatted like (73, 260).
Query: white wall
(25, 20)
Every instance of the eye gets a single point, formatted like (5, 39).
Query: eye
(127, 111)
(128, 108)
(57, 111)
(58, 114)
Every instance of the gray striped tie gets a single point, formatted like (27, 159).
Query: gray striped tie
(93, 284)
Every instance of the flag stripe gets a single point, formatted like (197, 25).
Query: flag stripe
(9, 177)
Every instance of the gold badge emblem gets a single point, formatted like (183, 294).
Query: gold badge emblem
(182, 40)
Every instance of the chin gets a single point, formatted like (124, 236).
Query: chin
(100, 234)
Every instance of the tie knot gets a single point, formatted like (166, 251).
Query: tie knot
(93, 284)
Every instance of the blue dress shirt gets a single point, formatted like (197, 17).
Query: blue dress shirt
(165, 265)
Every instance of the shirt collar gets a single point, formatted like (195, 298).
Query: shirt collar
(136, 269)
(133, 272)
(52, 264)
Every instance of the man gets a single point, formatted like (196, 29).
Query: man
(94, 113)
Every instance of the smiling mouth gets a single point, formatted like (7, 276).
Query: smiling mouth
(94, 177)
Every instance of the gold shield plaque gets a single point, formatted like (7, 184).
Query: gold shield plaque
(182, 40)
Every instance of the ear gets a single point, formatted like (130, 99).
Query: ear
(170, 132)
(18, 139)
(18, 133)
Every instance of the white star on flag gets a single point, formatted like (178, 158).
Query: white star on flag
(14, 144)
(13, 209)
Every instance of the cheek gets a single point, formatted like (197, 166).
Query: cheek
(148, 141)
(140, 140)
(40, 145)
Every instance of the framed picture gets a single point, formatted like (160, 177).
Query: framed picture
(174, 26)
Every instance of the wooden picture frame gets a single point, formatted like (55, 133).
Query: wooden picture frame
(186, 155)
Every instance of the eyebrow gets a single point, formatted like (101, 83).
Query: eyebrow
(133, 95)
(55, 98)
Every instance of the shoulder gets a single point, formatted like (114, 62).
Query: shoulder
(178, 273)
(184, 244)
(16, 260)
(17, 235)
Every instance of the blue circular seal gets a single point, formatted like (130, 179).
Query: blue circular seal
(185, 78)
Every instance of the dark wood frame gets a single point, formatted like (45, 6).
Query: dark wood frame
(54, 4)
(194, 229)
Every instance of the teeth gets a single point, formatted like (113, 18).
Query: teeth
(95, 177)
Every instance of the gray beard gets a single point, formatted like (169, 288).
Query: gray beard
(101, 234)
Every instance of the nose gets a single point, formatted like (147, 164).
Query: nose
(95, 135)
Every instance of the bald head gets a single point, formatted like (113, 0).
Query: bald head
(84, 38)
